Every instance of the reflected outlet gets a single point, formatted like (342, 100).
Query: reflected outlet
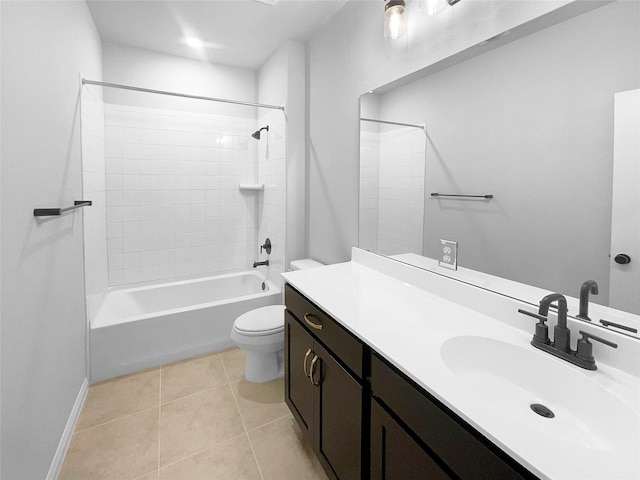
(448, 254)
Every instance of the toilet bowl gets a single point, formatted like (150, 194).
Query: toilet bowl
(260, 333)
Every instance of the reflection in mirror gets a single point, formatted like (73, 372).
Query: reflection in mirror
(530, 122)
(392, 160)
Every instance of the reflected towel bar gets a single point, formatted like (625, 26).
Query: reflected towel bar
(454, 195)
(48, 212)
(607, 323)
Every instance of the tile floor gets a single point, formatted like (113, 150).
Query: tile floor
(190, 420)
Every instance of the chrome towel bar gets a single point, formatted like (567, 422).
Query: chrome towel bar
(49, 212)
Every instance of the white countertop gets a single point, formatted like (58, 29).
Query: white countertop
(407, 315)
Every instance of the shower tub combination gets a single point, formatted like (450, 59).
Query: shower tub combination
(144, 326)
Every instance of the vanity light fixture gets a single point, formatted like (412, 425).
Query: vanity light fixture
(395, 24)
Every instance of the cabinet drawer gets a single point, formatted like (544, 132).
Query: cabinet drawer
(459, 446)
(343, 344)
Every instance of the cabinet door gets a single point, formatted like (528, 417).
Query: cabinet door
(338, 417)
(395, 455)
(298, 347)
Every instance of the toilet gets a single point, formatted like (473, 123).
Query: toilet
(260, 333)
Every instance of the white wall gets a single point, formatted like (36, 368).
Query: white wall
(350, 56)
(539, 140)
(93, 184)
(282, 82)
(45, 46)
(143, 68)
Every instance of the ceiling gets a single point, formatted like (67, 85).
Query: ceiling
(243, 33)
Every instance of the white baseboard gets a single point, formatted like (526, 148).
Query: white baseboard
(61, 451)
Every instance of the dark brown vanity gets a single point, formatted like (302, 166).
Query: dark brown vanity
(367, 420)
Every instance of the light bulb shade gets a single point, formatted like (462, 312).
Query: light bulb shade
(433, 7)
(395, 24)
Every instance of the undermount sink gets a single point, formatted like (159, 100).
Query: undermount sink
(509, 379)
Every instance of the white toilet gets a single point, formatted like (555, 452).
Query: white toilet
(260, 333)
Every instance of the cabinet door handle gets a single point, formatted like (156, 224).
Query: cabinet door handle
(304, 363)
(317, 326)
(313, 370)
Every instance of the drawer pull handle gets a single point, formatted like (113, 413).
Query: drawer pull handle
(304, 363)
(317, 326)
(313, 371)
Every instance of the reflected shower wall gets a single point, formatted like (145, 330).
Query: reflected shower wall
(392, 188)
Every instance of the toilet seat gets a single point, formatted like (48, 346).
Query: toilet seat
(262, 321)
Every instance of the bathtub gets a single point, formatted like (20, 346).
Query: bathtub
(144, 326)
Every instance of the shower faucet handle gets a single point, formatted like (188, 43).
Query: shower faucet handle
(266, 246)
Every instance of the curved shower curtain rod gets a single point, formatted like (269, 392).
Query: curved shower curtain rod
(183, 95)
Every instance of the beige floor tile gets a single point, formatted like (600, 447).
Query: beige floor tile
(282, 454)
(197, 422)
(150, 476)
(123, 449)
(234, 361)
(191, 376)
(229, 460)
(260, 403)
(119, 397)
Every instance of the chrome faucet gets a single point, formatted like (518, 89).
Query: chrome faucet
(261, 264)
(588, 286)
(560, 347)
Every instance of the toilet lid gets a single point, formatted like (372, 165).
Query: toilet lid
(261, 321)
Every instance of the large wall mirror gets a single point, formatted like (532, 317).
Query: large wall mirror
(530, 122)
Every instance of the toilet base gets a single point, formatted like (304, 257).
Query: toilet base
(263, 367)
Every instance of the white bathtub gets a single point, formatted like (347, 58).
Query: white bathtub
(141, 327)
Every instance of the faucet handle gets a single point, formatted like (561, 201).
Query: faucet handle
(542, 331)
(584, 350)
(586, 336)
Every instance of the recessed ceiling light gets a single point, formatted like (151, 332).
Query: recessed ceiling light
(193, 42)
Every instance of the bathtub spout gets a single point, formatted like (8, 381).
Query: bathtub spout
(260, 264)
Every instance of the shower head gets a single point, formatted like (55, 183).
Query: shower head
(256, 134)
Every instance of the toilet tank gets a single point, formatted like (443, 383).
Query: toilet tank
(304, 264)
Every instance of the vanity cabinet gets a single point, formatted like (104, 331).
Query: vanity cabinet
(414, 436)
(367, 420)
(324, 386)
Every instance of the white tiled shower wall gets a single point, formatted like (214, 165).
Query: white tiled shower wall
(369, 185)
(392, 197)
(272, 208)
(93, 180)
(174, 208)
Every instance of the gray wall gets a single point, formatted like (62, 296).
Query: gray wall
(144, 68)
(349, 57)
(531, 123)
(45, 46)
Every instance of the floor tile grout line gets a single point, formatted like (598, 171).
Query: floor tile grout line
(194, 393)
(115, 419)
(210, 447)
(269, 423)
(246, 432)
(159, 419)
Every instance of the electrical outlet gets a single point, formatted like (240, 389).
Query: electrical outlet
(448, 254)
